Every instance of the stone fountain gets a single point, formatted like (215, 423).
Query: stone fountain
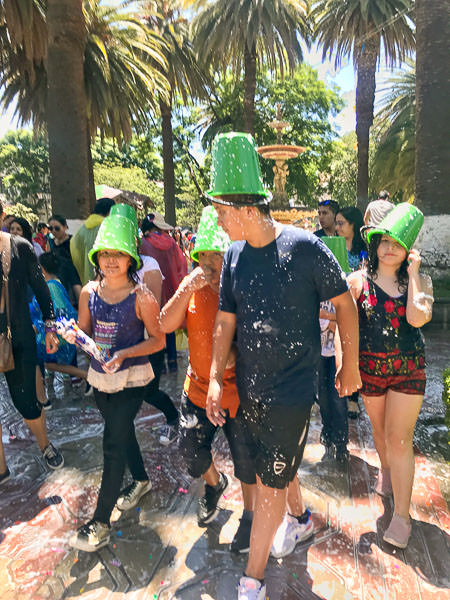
(280, 154)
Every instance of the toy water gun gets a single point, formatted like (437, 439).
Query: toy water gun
(82, 340)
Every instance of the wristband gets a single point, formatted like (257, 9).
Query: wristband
(50, 326)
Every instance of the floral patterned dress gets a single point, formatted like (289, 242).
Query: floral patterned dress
(391, 351)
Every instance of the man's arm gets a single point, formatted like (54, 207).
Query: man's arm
(348, 379)
(223, 335)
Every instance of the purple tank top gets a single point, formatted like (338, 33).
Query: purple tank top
(115, 327)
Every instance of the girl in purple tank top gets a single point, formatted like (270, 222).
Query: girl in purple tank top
(115, 311)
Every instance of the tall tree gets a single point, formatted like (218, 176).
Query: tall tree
(184, 76)
(244, 34)
(359, 27)
(394, 132)
(433, 106)
(66, 109)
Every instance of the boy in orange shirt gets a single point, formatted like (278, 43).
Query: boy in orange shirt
(196, 302)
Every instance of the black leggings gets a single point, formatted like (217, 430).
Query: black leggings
(120, 446)
(22, 379)
(155, 396)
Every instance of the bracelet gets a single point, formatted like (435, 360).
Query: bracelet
(50, 326)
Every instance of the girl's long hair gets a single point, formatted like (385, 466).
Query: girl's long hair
(372, 264)
(354, 216)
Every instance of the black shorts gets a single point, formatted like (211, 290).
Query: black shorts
(22, 379)
(278, 432)
(196, 437)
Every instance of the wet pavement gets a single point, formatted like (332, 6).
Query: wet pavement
(157, 551)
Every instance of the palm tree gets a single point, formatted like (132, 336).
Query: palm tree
(433, 107)
(123, 78)
(394, 129)
(358, 27)
(243, 33)
(184, 76)
(66, 109)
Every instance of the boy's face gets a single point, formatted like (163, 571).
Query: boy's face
(232, 220)
(326, 217)
(211, 265)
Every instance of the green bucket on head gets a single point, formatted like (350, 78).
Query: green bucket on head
(235, 168)
(125, 210)
(337, 246)
(402, 224)
(116, 233)
(210, 236)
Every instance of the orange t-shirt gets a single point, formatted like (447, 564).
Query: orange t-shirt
(200, 318)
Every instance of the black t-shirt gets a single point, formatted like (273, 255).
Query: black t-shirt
(275, 293)
(67, 273)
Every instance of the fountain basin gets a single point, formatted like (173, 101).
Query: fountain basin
(280, 152)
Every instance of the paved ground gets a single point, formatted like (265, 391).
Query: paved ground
(158, 552)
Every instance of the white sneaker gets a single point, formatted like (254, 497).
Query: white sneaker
(251, 589)
(167, 435)
(289, 534)
(130, 496)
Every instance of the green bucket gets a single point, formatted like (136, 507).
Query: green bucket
(236, 169)
(210, 236)
(402, 224)
(125, 211)
(116, 233)
(337, 246)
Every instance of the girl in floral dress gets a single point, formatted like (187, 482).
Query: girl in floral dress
(394, 300)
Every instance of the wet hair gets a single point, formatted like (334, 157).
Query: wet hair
(103, 206)
(50, 262)
(132, 269)
(354, 216)
(372, 264)
(26, 228)
(61, 220)
(383, 195)
(41, 226)
(263, 209)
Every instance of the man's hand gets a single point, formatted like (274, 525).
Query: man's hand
(195, 280)
(214, 411)
(348, 380)
(51, 342)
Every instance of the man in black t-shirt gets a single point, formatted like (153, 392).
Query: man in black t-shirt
(271, 287)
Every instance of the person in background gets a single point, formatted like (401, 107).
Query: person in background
(394, 301)
(349, 222)
(378, 209)
(21, 381)
(60, 245)
(20, 226)
(163, 248)
(41, 236)
(83, 240)
(327, 210)
(7, 222)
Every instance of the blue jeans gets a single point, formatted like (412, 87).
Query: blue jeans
(333, 409)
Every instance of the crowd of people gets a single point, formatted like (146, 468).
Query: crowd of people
(276, 318)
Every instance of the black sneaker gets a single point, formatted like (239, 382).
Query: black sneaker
(91, 537)
(241, 540)
(53, 457)
(207, 506)
(168, 434)
(5, 476)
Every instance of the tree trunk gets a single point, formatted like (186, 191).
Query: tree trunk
(365, 97)
(66, 109)
(168, 166)
(249, 89)
(92, 197)
(432, 106)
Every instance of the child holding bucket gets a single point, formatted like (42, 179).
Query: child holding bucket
(394, 300)
(115, 312)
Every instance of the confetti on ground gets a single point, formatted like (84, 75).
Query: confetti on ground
(115, 562)
(82, 590)
(150, 557)
(158, 468)
(138, 509)
(205, 581)
(119, 533)
(114, 546)
(295, 575)
(59, 550)
(226, 497)
(182, 490)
